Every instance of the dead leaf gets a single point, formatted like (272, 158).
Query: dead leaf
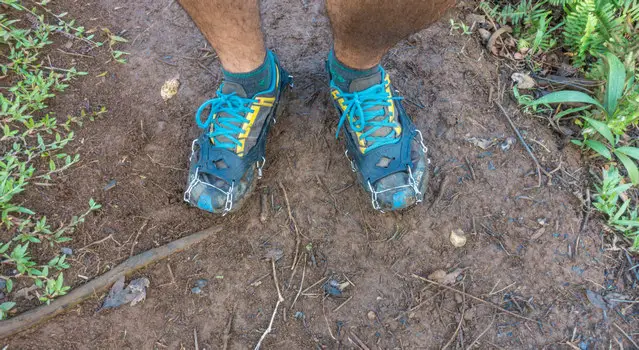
(482, 143)
(24, 292)
(134, 293)
(440, 276)
(538, 234)
(524, 81)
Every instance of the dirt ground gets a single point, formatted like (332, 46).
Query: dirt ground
(526, 251)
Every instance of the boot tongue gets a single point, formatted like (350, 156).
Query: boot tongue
(364, 83)
(227, 88)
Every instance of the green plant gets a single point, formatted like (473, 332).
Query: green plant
(32, 140)
(604, 126)
(619, 216)
(594, 27)
(530, 21)
(466, 30)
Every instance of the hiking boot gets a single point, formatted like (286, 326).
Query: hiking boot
(383, 145)
(230, 154)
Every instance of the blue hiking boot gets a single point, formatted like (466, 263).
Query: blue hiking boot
(229, 155)
(383, 145)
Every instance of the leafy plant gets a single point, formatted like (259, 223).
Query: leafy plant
(466, 30)
(610, 194)
(602, 132)
(32, 140)
(594, 27)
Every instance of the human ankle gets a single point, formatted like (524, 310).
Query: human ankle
(344, 74)
(254, 81)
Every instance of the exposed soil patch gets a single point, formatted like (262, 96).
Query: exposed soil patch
(144, 143)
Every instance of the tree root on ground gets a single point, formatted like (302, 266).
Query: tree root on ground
(40, 314)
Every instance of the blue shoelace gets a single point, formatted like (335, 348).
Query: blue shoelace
(362, 108)
(226, 115)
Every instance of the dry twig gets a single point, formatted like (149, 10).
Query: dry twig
(297, 231)
(301, 284)
(280, 299)
(475, 298)
(521, 139)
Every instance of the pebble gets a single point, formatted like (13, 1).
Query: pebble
(458, 298)
(371, 315)
(469, 314)
(458, 238)
(66, 251)
(110, 185)
(484, 34)
(199, 284)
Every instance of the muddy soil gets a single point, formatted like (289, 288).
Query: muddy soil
(526, 251)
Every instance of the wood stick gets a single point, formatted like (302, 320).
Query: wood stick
(297, 231)
(280, 299)
(98, 284)
(480, 335)
(299, 291)
(626, 335)
(521, 139)
(227, 331)
(475, 298)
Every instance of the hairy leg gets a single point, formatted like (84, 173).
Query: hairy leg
(233, 28)
(364, 30)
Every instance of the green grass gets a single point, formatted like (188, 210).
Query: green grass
(33, 140)
(600, 37)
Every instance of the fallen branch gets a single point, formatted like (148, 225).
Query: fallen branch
(98, 284)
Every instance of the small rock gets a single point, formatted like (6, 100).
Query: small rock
(201, 283)
(484, 34)
(414, 39)
(458, 298)
(170, 88)
(542, 221)
(196, 290)
(473, 18)
(469, 314)
(66, 251)
(371, 315)
(110, 185)
(458, 238)
(331, 287)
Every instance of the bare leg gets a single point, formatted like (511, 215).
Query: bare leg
(364, 30)
(233, 29)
